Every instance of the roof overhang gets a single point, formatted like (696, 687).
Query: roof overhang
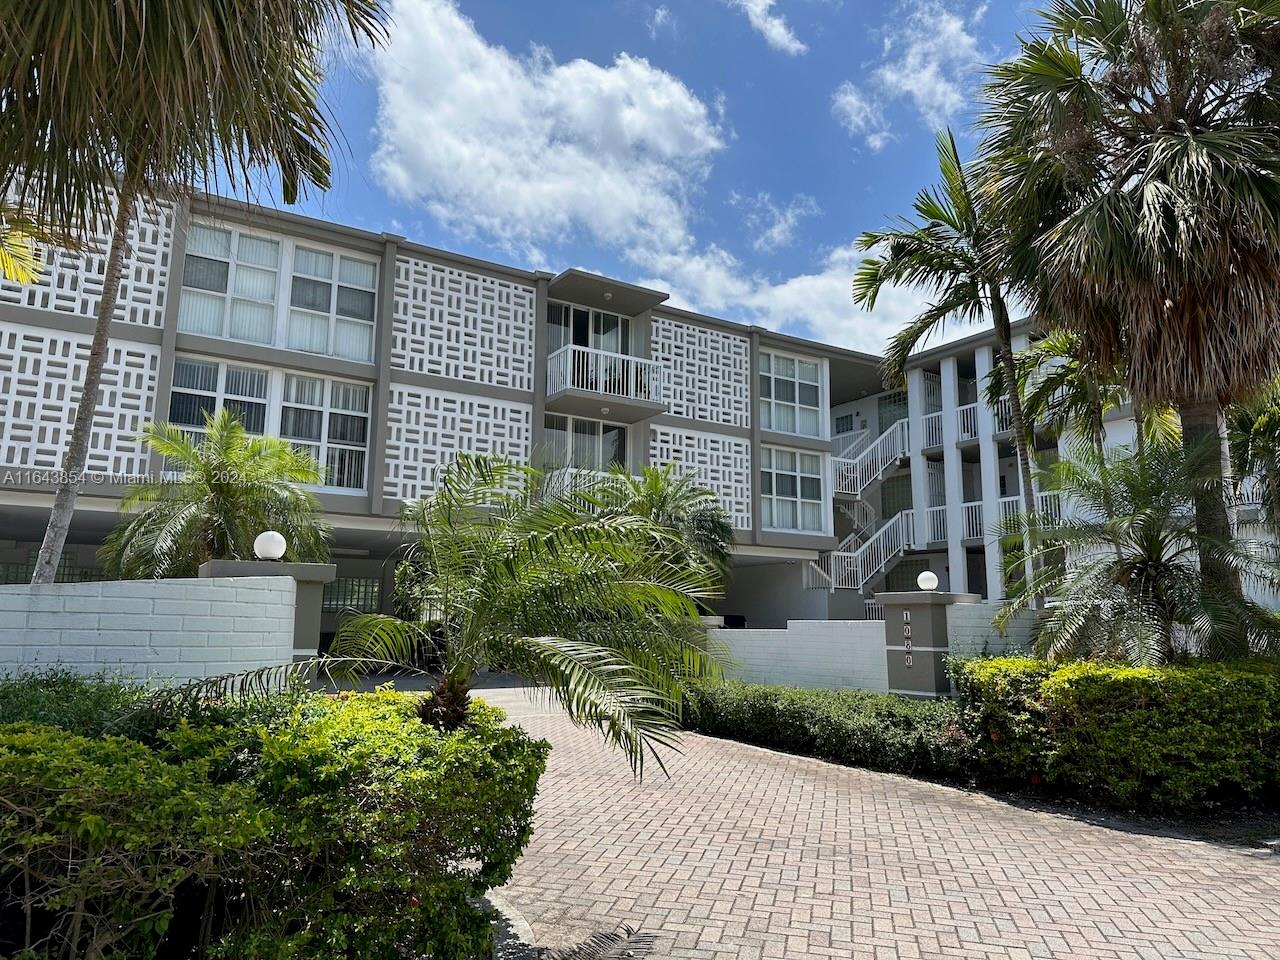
(603, 293)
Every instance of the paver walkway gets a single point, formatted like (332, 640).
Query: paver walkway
(745, 853)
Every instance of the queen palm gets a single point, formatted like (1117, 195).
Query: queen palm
(106, 103)
(956, 249)
(1140, 144)
(599, 606)
(218, 492)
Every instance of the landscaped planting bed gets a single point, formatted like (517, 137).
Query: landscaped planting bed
(1167, 740)
(298, 825)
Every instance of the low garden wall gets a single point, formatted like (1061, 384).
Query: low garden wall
(149, 629)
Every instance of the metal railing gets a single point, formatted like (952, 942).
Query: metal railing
(932, 424)
(853, 571)
(973, 525)
(937, 524)
(967, 421)
(608, 374)
(1004, 415)
(872, 610)
(847, 446)
(855, 475)
(362, 594)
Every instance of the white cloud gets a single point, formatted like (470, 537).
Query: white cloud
(772, 26)
(660, 18)
(773, 226)
(930, 57)
(531, 154)
(860, 115)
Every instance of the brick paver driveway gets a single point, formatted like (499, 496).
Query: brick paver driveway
(746, 853)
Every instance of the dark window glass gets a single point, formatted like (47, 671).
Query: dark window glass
(766, 482)
(582, 328)
(355, 303)
(310, 294)
(252, 415)
(344, 467)
(810, 488)
(347, 429)
(615, 446)
(195, 374)
(204, 274)
(784, 390)
(809, 394)
(766, 386)
(786, 484)
(188, 409)
(299, 424)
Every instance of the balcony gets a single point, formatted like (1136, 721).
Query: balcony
(595, 383)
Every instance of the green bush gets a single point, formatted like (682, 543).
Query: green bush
(852, 727)
(304, 826)
(1161, 739)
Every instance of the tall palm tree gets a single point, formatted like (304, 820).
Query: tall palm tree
(105, 103)
(218, 493)
(1121, 566)
(675, 500)
(1140, 144)
(958, 250)
(598, 605)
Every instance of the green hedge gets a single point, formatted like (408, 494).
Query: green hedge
(1168, 740)
(852, 727)
(1162, 739)
(304, 826)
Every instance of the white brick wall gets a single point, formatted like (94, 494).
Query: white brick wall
(149, 629)
(822, 654)
(971, 634)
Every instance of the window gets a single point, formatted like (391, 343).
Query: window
(362, 594)
(229, 281)
(844, 423)
(584, 444)
(790, 394)
(791, 491)
(331, 304)
(330, 420)
(202, 387)
(327, 418)
(232, 287)
(579, 326)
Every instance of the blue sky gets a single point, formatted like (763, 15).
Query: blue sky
(728, 151)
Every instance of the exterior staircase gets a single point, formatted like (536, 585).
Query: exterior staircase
(853, 474)
(854, 569)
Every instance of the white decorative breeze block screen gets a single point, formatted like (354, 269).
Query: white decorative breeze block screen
(72, 282)
(427, 428)
(463, 325)
(721, 463)
(40, 374)
(709, 370)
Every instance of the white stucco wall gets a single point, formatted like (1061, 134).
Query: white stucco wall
(970, 633)
(827, 654)
(149, 629)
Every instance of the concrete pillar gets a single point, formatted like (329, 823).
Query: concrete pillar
(953, 482)
(310, 577)
(989, 452)
(916, 642)
(916, 411)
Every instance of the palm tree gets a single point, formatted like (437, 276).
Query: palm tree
(1121, 565)
(600, 606)
(958, 250)
(105, 103)
(1253, 439)
(675, 500)
(18, 261)
(1139, 143)
(219, 492)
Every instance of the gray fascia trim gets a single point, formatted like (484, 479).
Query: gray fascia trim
(784, 340)
(980, 339)
(326, 231)
(469, 387)
(76, 323)
(702, 426)
(778, 538)
(770, 439)
(384, 335)
(274, 357)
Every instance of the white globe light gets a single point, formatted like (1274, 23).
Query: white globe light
(927, 580)
(269, 545)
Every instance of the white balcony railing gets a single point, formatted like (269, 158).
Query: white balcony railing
(973, 525)
(937, 517)
(872, 610)
(608, 374)
(853, 571)
(1047, 504)
(967, 421)
(855, 475)
(932, 423)
(1004, 415)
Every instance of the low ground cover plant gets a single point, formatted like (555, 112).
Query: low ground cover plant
(1166, 740)
(298, 825)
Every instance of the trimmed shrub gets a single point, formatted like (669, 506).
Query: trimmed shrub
(852, 727)
(304, 826)
(1160, 739)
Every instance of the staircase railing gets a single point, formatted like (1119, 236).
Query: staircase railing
(852, 476)
(854, 570)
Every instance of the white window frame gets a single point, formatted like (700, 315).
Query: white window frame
(571, 419)
(220, 394)
(275, 410)
(233, 265)
(822, 415)
(281, 304)
(626, 325)
(769, 501)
